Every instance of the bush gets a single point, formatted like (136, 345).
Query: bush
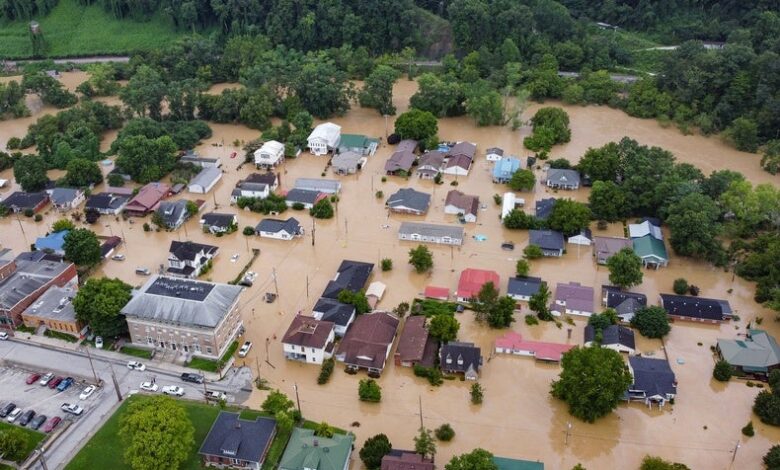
(722, 371)
(29, 212)
(433, 374)
(531, 320)
(248, 230)
(680, 286)
(387, 264)
(693, 290)
(379, 194)
(652, 322)
(772, 458)
(370, 391)
(497, 199)
(532, 252)
(38, 217)
(748, 429)
(444, 432)
(322, 210)
(298, 206)
(326, 371)
(147, 227)
(477, 393)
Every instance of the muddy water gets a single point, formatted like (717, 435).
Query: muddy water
(518, 418)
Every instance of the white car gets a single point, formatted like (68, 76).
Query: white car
(3, 335)
(87, 392)
(73, 409)
(245, 349)
(173, 390)
(215, 395)
(118, 257)
(46, 379)
(234, 258)
(13, 415)
(99, 342)
(149, 386)
(135, 365)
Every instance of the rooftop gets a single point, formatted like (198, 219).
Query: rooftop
(524, 285)
(695, 307)
(414, 339)
(472, 280)
(32, 273)
(310, 452)
(54, 304)
(612, 335)
(460, 356)
(334, 311)
(308, 332)
(652, 376)
(367, 340)
(431, 230)
(411, 199)
(466, 202)
(576, 296)
(318, 184)
(351, 275)
(546, 239)
(542, 351)
(290, 225)
(242, 439)
(758, 351)
(406, 460)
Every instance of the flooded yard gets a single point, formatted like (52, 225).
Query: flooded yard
(518, 418)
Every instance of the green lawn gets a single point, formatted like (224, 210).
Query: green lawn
(136, 352)
(74, 30)
(60, 335)
(431, 308)
(32, 438)
(210, 365)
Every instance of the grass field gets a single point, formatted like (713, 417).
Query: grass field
(74, 30)
(210, 365)
(32, 438)
(136, 352)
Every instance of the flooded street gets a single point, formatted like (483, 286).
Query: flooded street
(518, 417)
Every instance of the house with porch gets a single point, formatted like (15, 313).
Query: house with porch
(215, 222)
(237, 443)
(324, 139)
(187, 259)
(464, 205)
(625, 303)
(147, 200)
(654, 381)
(558, 178)
(308, 340)
(269, 177)
(409, 201)
(279, 229)
(458, 165)
(573, 299)
(550, 241)
(65, 199)
(513, 343)
(249, 189)
(504, 169)
(368, 342)
(431, 233)
(458, 357)
(651, 250)
(615, 337)
(358, 143)
(756, 355)
(347, 163)
(430, 165)
(400, 163)
(106, 203)
(269, 155)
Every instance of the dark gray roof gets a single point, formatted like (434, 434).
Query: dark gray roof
(268, 178)
(291, 225)
(613, 334)
(24, 200)
(173, 211)
(64, 195)
(546, 239)
(304, 196)
(652, 376)
(251, 186)
(33, 271)
(242, 439)
(622, 301)
(334, 311)
(544, 208)
(54, 304)
(695, 307)
(471, 356)
(351, 275)
(524, 285)
(215, 219)
(408, 197)
(106, 201)
(188, 251)
(560, 176)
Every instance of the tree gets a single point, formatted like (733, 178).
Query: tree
(62, 224)
(774, 381)
(115, 180)
(444, 432)
(522, 268)
(770, 160)
(719, 181)
(748, 430)
(322, 88)
(145, 159)
(600, 321)
(517, 219)
(772, 458)
(607, 201)
(171, 442)
(421, 258)
(657, 463)
(284, 421)
(680, 286)
(277, 401)
(356, 299)
(484, 104)
(82, 173)
(444, 328)
(533, 252)
(374, 449)
(98, 303)
(477, 459)
(539, 303)
(377, 92)
(387, 264)
(652, 322)
(601, 164)
(501, 315)
(477, 393)
(144, 93)
(743, 133)
(569, 217)
(625, 268)
(767, 407)
(30, 173)
(694, 225)
(369, 390)
(323, 209)
(82, 247)
(424, 444)
(486, 299)
(13, 444)
(550, 127)
(440, 95)
(416, 124)
(522, 180)
(324, 430)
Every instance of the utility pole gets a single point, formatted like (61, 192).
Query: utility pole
(21, 227)
(116, 384)
(205, 392)
(92, 366)
(568, 432)
(307, 287)
(734, 454)
(313, 228)
(297, 398)
(276, 286)
(42, 458)
(421, 414)
(184, 225)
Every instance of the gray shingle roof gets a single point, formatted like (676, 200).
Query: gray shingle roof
(613, 334)
(431, 230)
(758, 350)
(61, 196)
(408, 197)
(291, 225)
(304, 196)
(334, 311)
(318, 184)
(560, 177)
(242, 439)
(652, 376)
(524, 285)
(546, 239)
(544, 207)
(215, 219)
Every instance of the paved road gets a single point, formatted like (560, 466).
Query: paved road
(41, 359)
(76, 60)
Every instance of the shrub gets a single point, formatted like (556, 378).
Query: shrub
(147, 227)
(387, 264)
(433, 374)
(370, 391)
(748, 429)
(477, 393)
(298, 206)
(722, 371)
(384, 179)
(497, 199)
(680, 286)
(531, 320)
(772, 458)
(326, 371)
(532, 252)
(29, 212)
(38, 217)
(693, 290)
(248, 230)
(379, 194)
(444, 432)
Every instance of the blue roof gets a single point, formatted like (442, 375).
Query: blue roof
(505, 167)
(53, 241)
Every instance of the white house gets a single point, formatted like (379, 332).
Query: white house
(309, 340)
(584, 238)
(64, 199)
(205, 180)
(324, 138)
(253, 190)
(458, 165)
(279, 229)
(494, 154)
(615, 337)
(187, 259)
(509, 203)
(270, 154)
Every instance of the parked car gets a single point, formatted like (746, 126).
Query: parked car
(38, 421)
(149, 386)
(25, 419)
(51, 424)
(73, 409)
(13, 415)
(173, 390)
(508, 246)
(143, 271)
(135, 365)
(46, 379)
(118, 257)
(245, 349)
(213, 395)
(193, 378)
(54, 382)
(67, 382)
(99, 342)
(3, 336)
(32, 378)
(87, 392)
(269, 297)
(7, 409)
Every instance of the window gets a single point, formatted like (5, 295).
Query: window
(208, 349)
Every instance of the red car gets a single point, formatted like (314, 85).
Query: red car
(33, 378)
(55, 381)
(233, 154)
(51, 424)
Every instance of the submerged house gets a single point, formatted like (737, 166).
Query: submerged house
(464, 205)
(237, 443)
(324, 138)
(605, 247)
(651, 250)
(471, 282)
(347, 163)
(431, 233)
(415, 345)
(558, 178)
(550, 241)
(308, 340)
(269, 155)
(205, 181)
(625, 303)
(148, 199)
(368, 342)
(697, 309)
(654, 381)
(573, 299)
(756, 355)
(409, 201)
(187, 259)
(458, 357)
(400, 163)
(513, 343)
(358, 143)
(65, 199)
(504, 169)
(430, 165)
(21, 201)
(615, 337)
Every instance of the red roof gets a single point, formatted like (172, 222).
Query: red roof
(539, 349)
(440, 293)
(472, 280)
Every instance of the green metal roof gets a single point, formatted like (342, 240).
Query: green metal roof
(649, 246)
(305, 450)
(355, 141)
(504, 463)
(757, 352)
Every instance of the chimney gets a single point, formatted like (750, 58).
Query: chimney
(315, 443)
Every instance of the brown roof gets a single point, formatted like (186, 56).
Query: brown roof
(414, 337)
(463, 148)
(467, 203)
(608, 246)
(308, 332)
(400, 160)
(433, 158)
(149, 196)
(367, 340)
(462, 161)
(406, 460)
(266, 178)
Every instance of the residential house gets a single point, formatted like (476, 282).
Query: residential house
(431, 233)
(458, 165)
(430, 165)
(20, 201)
(25, 278)
(204, 181)
(651, 250)
(464, 205)
(374, 293)
(462, 149)
(215, 222)
(347, 163)
(654, 381)
(503, 463)
(436, 293)
(697, 309)
(305, 451)
(147, 200)
(279, 229)
(177, 188)
(237, 443)
(251, 190)
(409, 201)
(406, 460)
(304, 196)
(644, 229)
(616, 337)
(65, 199)
(308, 340)
(351, 276)
(471, 282)
(358, 143)
(458, 357)
(513, 343)
(756, 355)
(203, 162)
(605, 247)
(340, 314)
(269, 155)
(584, 238)
(407, 145)
(510, 202)
(494, 154)
(54, 310)
(187, 259)
(623, 302)
(324, 138)
(106, 203)
(52, 243)
(544, 207)
(504, 169)
(558, 178)
(522, 288)
(109, 245)
(318, 184)
(368, 342)
(573, 299)
(173, 213)
(415, 344)
(400, 163)
(550, 241)
(193, 318)
(270, 178)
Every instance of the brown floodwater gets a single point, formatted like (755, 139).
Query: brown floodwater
(518, 418)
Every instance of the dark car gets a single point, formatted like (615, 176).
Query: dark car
(194, 378)
(65, 384)
(55, 382)
(37, 421)
(32, 378)
(7, 409)
(508, 246)
(51, 424)
(26, 417)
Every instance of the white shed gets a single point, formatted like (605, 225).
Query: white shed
(510, 203)
(205, 180)
(270, 154)
(324, 138)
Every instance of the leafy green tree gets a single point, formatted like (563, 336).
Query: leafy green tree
(357, 299)
(477, 393)
(441, 96)
(370, 391)
(522, 268)
(82, 173)
(421, 258)
(101, 80)
(501, 315)
(13, 444)
(477, 459)
(144, 93)
(748, 430)
(600, 321)
(485, 302)
(444, 328)
(444, 432)
(722, 371)
(532, 252)
(377, 92)
(694, 225)
(30, 173)
(573, 94)
(277, 401)
(625, 268)
(322, 89)
(657, 463)
(171, 442)
(680, 286)
(569, 217)
(601, 164)
(323, 209)
(99, 302)
(743, 133)
(770, 159)
(772, 458)
(387, 264)
(374, 449)
(145, 159)
(767, 407)
(484, 104)
(522, 180)
(324, 430)
(652, 322)
(592, 382)
(284, 421)
(424, 444)
(416, 124)
(62, 224)
(550, 127)
(774, 381)
(82, 247)
(719, 181)
(539, 303)
(607, 201)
